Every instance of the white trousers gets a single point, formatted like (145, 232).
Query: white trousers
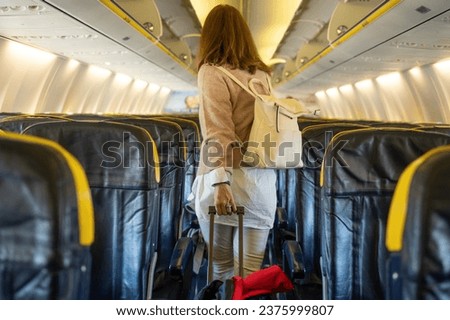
(226, 249)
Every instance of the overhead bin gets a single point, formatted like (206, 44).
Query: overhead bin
(145, 13)
(348, 14)
(367, 50)
(140, 39)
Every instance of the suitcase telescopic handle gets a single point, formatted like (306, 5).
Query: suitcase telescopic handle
(240, 210)
(212, 213)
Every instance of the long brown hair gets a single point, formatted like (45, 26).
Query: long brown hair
(226, 39)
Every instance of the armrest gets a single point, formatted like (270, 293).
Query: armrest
(282, 220)
(283, 225)
(393, 276)
(189, 221)
(293, 260)
(181, 259)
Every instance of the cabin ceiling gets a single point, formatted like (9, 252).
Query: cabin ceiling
(157, 40)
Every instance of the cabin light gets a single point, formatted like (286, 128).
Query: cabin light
(73, 64)
(303, 60)
(443, 65)
(165, 91)
(107, 63)
(320, 95)
(389, 79)
(99, 72)
(140, 84)
(341, 30)
(154, 87)
(183, 56)
(149, 26)
(287, 74)
(416, 71)
(123, 78)
(364, 84)
(348, 88)
(332, 92)
(268, 20)
(27, 53)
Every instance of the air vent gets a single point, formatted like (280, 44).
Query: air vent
(21, 10)
(52, 37)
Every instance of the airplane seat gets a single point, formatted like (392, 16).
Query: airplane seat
(358, 178)
(94, 116)
(171, 282)
(405, 125)
(303, 123)
(192, 135)
(418, 230)
(280, 230)
(19, 123)
(120, 162)
(444, 129)
(303, 204)
(189, 227)
(46, 221)
(9, 114)
(284, 224)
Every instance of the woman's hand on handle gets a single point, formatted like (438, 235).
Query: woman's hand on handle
(224, 200)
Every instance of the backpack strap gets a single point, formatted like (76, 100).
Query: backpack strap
(251, 88)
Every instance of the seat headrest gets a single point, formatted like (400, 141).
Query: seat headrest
(112, 154)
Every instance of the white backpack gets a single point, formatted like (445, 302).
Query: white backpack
(275, 139)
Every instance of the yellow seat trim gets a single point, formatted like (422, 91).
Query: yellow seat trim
(399, 205)
(84, 199)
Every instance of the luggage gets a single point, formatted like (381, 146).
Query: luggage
(262, 284)
(212, 214)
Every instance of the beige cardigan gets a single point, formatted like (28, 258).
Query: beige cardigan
(226, 114)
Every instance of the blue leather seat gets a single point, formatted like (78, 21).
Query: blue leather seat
(358, 178)
(120, 161)
(46, 221)
(170, 143)
(418, 230)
